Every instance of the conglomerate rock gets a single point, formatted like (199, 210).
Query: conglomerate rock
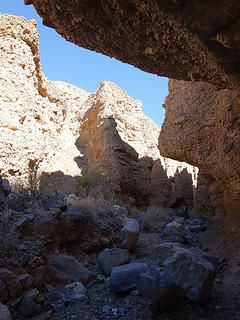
(202, 128)
(190, 40)
(54, 129)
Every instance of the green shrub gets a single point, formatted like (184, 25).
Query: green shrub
(89, 180)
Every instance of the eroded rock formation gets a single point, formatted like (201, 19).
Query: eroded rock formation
(118, 139)
(38, 117)
(56, 128)
(202, 128)
(189, 40)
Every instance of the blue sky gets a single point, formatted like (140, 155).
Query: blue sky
(64, 61)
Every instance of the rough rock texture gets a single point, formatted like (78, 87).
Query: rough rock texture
(45, 128)
(110, 258)
(190, 269)
(190, 40)
(38, 117)
(124, 278)
(202, 128)
(74, 271)
(209, 198)
(5, 190)
(4, 313)
(123, 146)
(13, 284)
(160, 289)
(129, 233)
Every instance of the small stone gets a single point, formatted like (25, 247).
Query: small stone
(13, 285)
(36, 261)
(114, 312)
(32, 293)
(106, 309)
(174, 227)
(129, 234)
(197, 228)
(122, 310)
(3, 292)
(105, 241)
(76, 287)
(79, 298)
(4, 313)
(101, 278)
(26, 280)
(28, 308)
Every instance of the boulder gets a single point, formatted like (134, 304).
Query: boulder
(4, 313)
(110, 258)
(129, 234)
(66, 269)
(28, 308)
(160, 288)
(124, 278)
(3, 292)
(39, 276)
(77, 215)
(13, 284)
(189, 268)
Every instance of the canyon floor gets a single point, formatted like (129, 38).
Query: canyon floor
(36, 229)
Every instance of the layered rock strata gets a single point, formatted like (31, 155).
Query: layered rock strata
(189, 40)
(54, 129)
(202, 128)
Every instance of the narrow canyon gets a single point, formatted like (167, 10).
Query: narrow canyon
(103, 214)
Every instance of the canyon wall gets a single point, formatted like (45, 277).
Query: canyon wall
(202, 128)
(57, 129)
(38, 117)
(124, 144)
(185, 40)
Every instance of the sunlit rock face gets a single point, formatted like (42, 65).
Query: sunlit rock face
(57, 129)
(119, 139)
(188, 40)
(38, 117)
(202, 128)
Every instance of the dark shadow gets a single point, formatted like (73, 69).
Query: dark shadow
(184, 189)
(140, 180)
(209, 197)
(52, 182)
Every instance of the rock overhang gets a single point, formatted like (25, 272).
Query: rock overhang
(184, 40)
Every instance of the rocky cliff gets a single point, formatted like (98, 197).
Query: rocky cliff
(57, 129)
(189, 40)
(123, 145)
(202, 128)
(38, 117)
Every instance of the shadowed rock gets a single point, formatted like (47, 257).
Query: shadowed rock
(188, 40)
